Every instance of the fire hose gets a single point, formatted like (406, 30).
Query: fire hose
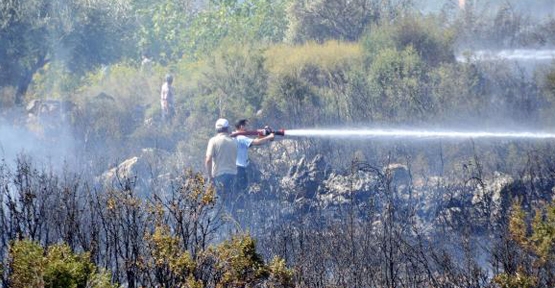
(259, 132)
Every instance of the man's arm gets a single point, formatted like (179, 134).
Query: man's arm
(208, 166)
(260, 141)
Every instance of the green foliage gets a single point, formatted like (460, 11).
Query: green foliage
(114, 103)
(428, 36)
(162, 28)
(30, 266)
(543, 236)
(309, 82)
(517, 224)
(239, 263)
(537, 240)
(550, 82)
(293, 101)
(289, 60)
(323, 20)
(54, 82)
(458, 91)
(518, 280)
(239, 22)
(169, 261)
(547, 84)
(234, 83)
(279, 273)
(399, 57)
(36, 32)
(64, 269)
(100, 35)
(395, 80)
(26, 264)
(174, 31)
(233, 263)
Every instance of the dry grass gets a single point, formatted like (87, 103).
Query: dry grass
(287, 59)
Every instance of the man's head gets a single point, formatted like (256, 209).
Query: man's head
(169, 78)
(222, 125)
(241, 124)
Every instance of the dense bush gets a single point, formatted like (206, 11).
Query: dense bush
(31, 266)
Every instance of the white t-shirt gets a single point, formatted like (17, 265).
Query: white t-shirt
(243, 144)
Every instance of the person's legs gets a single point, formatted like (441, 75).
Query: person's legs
(163, 114)
(224, 188)
(241, 185)
(224, 192)
(241, 180)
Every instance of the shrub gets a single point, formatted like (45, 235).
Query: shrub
(239, 263)
(30, 266)
(430, 39)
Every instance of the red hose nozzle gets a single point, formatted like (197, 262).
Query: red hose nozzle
(279, 132)
(259, 132)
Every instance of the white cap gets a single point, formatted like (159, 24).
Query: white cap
(222, 123)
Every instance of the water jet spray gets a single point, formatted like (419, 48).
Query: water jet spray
(422, 134)
(395, 133)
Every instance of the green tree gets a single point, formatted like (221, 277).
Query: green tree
(396, 80)
(30, 266)
(179, 30)
(163, 27)
(81, 34)
(26, 264)
(537, 241)
(261, 21)
(239, 263)
(235, 81)
(428, 36)
(338, 19)
(458, 92)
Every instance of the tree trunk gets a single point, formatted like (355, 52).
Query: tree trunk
(27, 77)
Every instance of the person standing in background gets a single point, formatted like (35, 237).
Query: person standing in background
(167, 98)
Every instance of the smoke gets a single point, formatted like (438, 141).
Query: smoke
(16, 141)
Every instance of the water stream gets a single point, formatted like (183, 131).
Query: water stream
(400, 133)
(509, 54)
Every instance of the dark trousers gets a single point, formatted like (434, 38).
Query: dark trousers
(224, 187)
(241, 180)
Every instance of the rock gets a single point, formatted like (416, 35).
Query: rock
(399, 178)
(488, 199)
(340, 189)
(49, 118)
(142, 171)
(50, 107)
(103, 96)
(304, 178)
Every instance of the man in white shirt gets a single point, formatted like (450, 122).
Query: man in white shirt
(243, 145)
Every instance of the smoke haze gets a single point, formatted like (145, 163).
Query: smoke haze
(16, 141)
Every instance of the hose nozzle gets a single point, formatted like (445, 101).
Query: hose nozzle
(259, 132)
(267, 131)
